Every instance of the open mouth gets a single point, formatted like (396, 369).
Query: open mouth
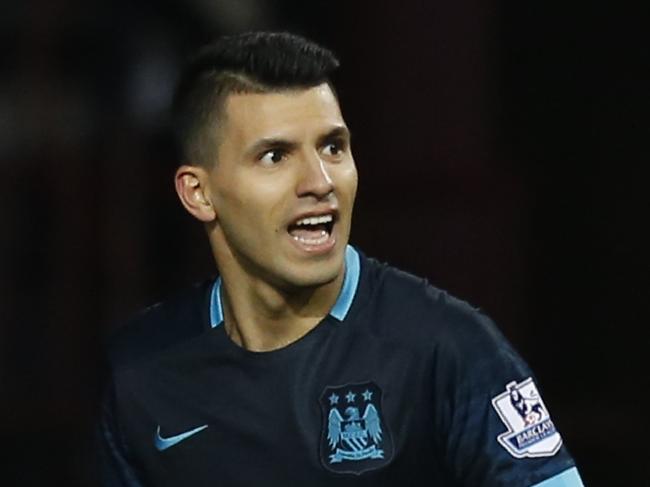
(313, 230)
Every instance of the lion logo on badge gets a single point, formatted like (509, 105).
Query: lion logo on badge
(354, 438)
(531, 433)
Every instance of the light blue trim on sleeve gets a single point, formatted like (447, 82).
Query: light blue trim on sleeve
(350, 284)
(341, 307)
(568, 478)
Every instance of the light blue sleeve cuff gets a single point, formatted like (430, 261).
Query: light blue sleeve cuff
(568, 478)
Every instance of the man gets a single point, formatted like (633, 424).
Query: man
(306, 363)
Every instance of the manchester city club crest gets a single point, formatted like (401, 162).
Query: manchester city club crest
(354, 436)
(531, 433)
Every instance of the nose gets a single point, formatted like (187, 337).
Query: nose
(315, 179)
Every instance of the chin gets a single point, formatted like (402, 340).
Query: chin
(314, 275)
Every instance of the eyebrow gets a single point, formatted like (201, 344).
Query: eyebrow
(340, 132)
(268, 143)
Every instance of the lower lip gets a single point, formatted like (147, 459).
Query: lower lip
(314, 249)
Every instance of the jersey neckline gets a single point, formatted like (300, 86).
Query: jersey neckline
(339, 310)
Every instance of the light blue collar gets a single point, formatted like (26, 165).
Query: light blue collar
(340, 309)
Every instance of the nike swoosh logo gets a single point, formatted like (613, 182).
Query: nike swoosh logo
(164, 443)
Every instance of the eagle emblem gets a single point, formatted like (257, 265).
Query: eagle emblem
(354, 437)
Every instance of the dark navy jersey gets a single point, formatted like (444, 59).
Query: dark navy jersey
(400, 384)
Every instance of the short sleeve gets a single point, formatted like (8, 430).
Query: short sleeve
(493, 427)
(114, 466)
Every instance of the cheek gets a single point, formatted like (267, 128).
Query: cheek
(255, 202)
(347, 181)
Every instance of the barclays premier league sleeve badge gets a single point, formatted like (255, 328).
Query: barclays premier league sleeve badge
(355, 437)
(531, 433)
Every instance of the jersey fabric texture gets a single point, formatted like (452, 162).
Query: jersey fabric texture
(396, 386)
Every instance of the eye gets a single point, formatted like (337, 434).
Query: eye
(272, 157)
(334, 149)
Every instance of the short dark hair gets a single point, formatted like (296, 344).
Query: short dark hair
(253, 62)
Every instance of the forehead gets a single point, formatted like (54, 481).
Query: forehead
(290, 113)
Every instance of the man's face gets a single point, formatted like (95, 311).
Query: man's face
(283, 186)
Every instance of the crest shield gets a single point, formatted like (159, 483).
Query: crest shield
(354, 438)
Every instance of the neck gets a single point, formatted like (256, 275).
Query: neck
(260, 316)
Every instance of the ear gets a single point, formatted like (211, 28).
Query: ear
(193, 191)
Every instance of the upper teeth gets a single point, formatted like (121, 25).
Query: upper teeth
(315, 220)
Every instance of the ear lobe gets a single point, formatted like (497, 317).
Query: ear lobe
(192, 189)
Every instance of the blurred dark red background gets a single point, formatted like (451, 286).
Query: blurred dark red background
(499, 147)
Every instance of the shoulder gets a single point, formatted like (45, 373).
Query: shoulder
(160, 327)
(408, 308)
